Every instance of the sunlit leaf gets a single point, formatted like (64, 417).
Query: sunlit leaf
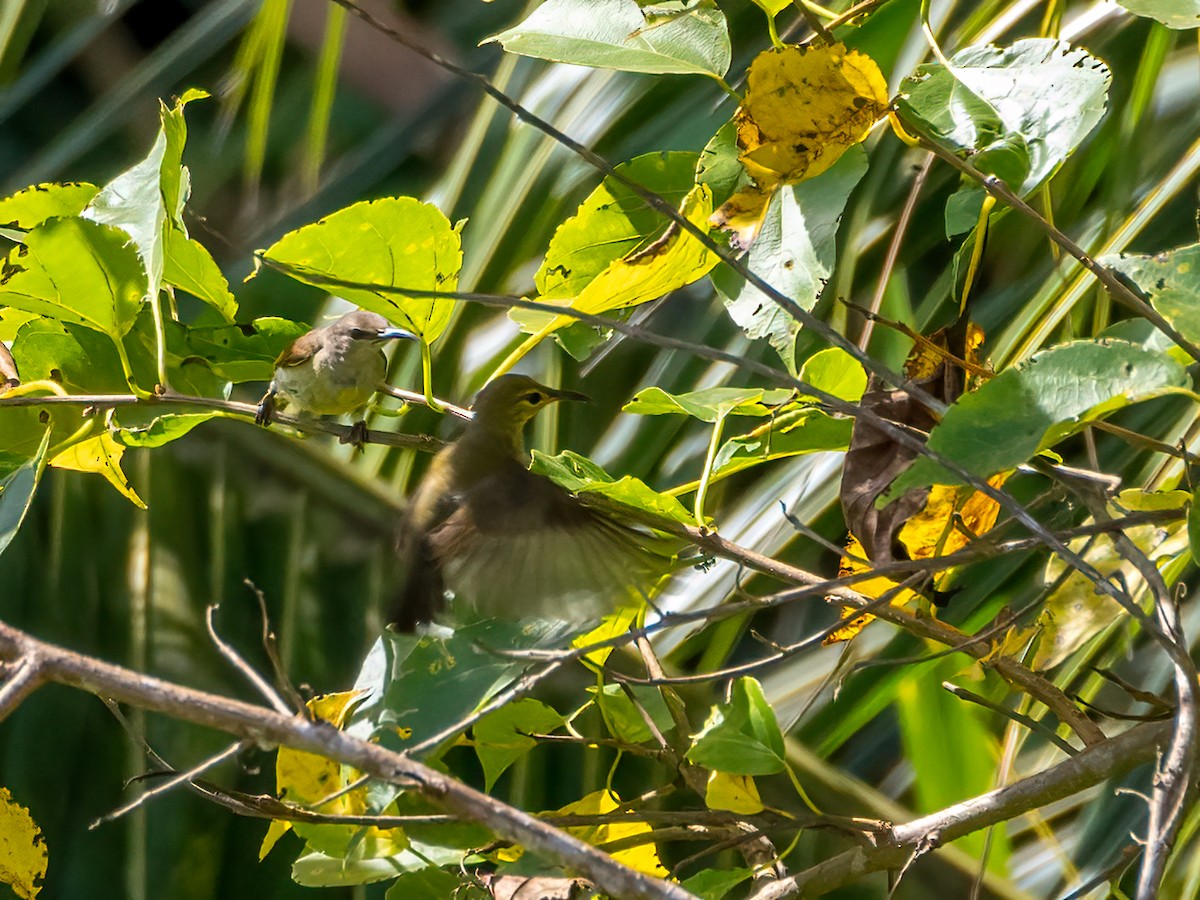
(624, 719)
(1179, 14)
(688, 38)
(642, 858)
(735, 793)
(1172, 282)
(582, 476)
(31, 207)
(708, 405)
(741, 737)
(791, 433)
(795, 252)
(23, 856)
(804, 107)
(17, 488)
(395, 242)
(76, 271)
(190, 267)
(100, 455)
(160, 430)
(1036, 404)
(714, 884)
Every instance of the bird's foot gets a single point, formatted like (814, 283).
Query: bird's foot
(265, 410)
(357, 435)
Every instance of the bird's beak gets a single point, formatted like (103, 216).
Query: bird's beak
(569, 395)
(391, 334)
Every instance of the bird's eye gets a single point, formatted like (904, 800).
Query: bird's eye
(357, 334)
(533, 397)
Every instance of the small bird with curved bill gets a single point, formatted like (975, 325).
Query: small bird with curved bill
(332, 370)
(506, 542)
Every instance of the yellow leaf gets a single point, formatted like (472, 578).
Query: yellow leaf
(101, 454)
(949, 519)
(308, 778)
(854, 563)
(742, 216)
(736, 793)
(672, 261)
(22, 848)
(611, 626)
(643, 858)
(804, 107)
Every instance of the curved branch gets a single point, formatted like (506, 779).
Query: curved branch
(269, 727)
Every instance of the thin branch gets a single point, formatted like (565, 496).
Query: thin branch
(1032, 724)
(271, 646)
(247, 670)
(417, 399)
(179, 778)
(233, 408)
(265, 726)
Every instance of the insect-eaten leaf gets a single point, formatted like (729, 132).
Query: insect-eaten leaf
(23, 855)
(1171, 280)
(1038, 403)
(735, 793)
(656, 38)
(1077, 612)
(385, 246)
(804, 107)
(32, 206)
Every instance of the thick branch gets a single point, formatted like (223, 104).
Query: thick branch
(269, 727)
(1111, 758)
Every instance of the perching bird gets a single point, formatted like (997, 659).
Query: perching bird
(507, 542)
(331, 370)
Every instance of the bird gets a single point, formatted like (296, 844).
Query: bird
(506, 542)
(332, 370)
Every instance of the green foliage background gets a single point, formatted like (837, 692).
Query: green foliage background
(311, 524)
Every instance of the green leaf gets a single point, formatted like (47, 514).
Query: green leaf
(146, 201)
(76, 271)
(1193, 525)
(1178, 14)
(709, 405)
(789, 434)
(78, 358)
(429, 883)
(836, 372)
(502, 737)
(11, 321)
(662, 38)
(623, 719)
(612, 222)
(1036, 404)
(580, 475)
(395, 241)
(316, 869)
(29, 208)
(719, 165)
(714, 884)
(795, 251)
(190, 267)
(160, 430)
(742, 736)
(1172, 282)
(241, 353)
(1018, 111)
(16, 492)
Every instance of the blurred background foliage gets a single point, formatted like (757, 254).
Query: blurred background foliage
(312, 110)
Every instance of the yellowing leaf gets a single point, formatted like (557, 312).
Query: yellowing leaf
(22, 848)
(951, 515)
(852, 564)
(804, 107)
(642, 858)
(736, 793)
(307, 778)
(101, 454)
(612, 625)
(672, 261)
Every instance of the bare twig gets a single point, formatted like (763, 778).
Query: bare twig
(22, 676)
(1032, 724)
(247, 670)
(271, 645)
(421, 400)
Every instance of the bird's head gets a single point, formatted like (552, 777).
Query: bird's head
(362, 325)
(507, 403)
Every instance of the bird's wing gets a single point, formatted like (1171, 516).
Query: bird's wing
(299, 351)
(516, 544)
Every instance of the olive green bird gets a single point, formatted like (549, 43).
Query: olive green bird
(332, 370)
(506, 542)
